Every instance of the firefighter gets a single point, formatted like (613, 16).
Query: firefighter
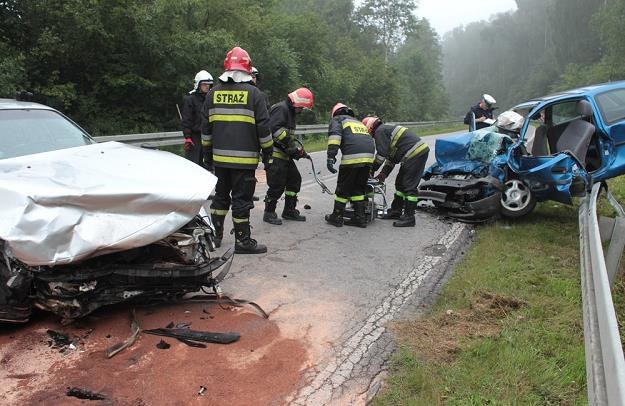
(483, 111)
(192, 118)
(283, 176)
(396, 144)
(235, 128)
(357, 149)
(255, 79)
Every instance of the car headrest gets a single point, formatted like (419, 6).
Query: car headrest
(584, 108)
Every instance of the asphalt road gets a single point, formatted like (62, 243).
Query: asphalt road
(336, 289)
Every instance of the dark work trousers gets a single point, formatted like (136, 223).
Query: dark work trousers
(410, 173)
(283, 176)
(194, 154)
(234, 186)
(352, 183)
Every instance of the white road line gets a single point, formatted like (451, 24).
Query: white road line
(339, 369)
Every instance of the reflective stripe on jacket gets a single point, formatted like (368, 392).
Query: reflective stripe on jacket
(282, 126)
(236, 125)
(352, 138)
(396, 144)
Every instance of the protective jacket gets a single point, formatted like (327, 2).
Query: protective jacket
(351, 136)
(282, 125)
(192, 114)
(237, 125)
(396, 144)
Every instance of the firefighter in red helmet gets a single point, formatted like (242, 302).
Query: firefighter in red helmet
(235, 130)
(398, 145)
(357, 153)
(283, 176)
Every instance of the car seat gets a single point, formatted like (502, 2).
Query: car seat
(578, 133)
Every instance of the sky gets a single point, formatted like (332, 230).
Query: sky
(445, 15)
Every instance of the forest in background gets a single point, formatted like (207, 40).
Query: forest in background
(120, 66)
(544, 46)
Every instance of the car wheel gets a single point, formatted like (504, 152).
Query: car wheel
(517, 199)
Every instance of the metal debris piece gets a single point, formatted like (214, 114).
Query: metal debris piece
(81, 393)
(163, 345)
(201, 391)
(134, 333)
(60, 341)
(193, 335)
(223, 299)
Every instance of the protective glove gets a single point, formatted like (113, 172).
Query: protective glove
(188, 144)
(330, 165)
(267, 161)
(381, 177)
(300, 153)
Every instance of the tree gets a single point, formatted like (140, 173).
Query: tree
(390, 20)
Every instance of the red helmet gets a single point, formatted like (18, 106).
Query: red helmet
(340, 106)
(238, 59)
(371, 123)
(302, 97)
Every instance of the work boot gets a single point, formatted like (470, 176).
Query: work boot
(407, 219)
(270, 215)
(290, 212)
(359, 219)
(244, 243)
(394, 212)
(218, 223)
(336, 218)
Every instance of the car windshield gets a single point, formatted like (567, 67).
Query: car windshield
(29, 131)
(612, 105)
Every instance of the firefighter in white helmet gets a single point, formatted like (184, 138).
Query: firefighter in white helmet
(192, 118)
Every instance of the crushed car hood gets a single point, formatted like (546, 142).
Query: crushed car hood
(64, 206)
(473, 153)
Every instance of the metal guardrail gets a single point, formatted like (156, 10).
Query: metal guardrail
(175, 137)
(605, 365)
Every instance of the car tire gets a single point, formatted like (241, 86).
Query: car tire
(517, 200)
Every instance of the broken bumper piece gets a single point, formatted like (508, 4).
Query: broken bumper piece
(467, 199)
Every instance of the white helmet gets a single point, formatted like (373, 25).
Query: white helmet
(510, 121)
(200, 77)
(488, 99)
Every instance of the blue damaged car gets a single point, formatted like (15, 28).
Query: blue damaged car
(563, 143)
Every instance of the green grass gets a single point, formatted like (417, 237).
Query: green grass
(534, 354)
(531, 355)
(439, 129)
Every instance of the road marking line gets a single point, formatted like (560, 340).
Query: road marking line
(339, 369)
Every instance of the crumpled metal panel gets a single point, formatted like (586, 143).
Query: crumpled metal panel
(63, 206)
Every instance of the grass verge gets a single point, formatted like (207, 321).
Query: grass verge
(509, 320)
(507, 328)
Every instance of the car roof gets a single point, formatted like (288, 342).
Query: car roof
(591, 90)
(12, 104)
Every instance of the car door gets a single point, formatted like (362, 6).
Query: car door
(611, 107)
(557, 175)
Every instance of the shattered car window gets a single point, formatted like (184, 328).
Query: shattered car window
(485, 145)
(24, 132)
